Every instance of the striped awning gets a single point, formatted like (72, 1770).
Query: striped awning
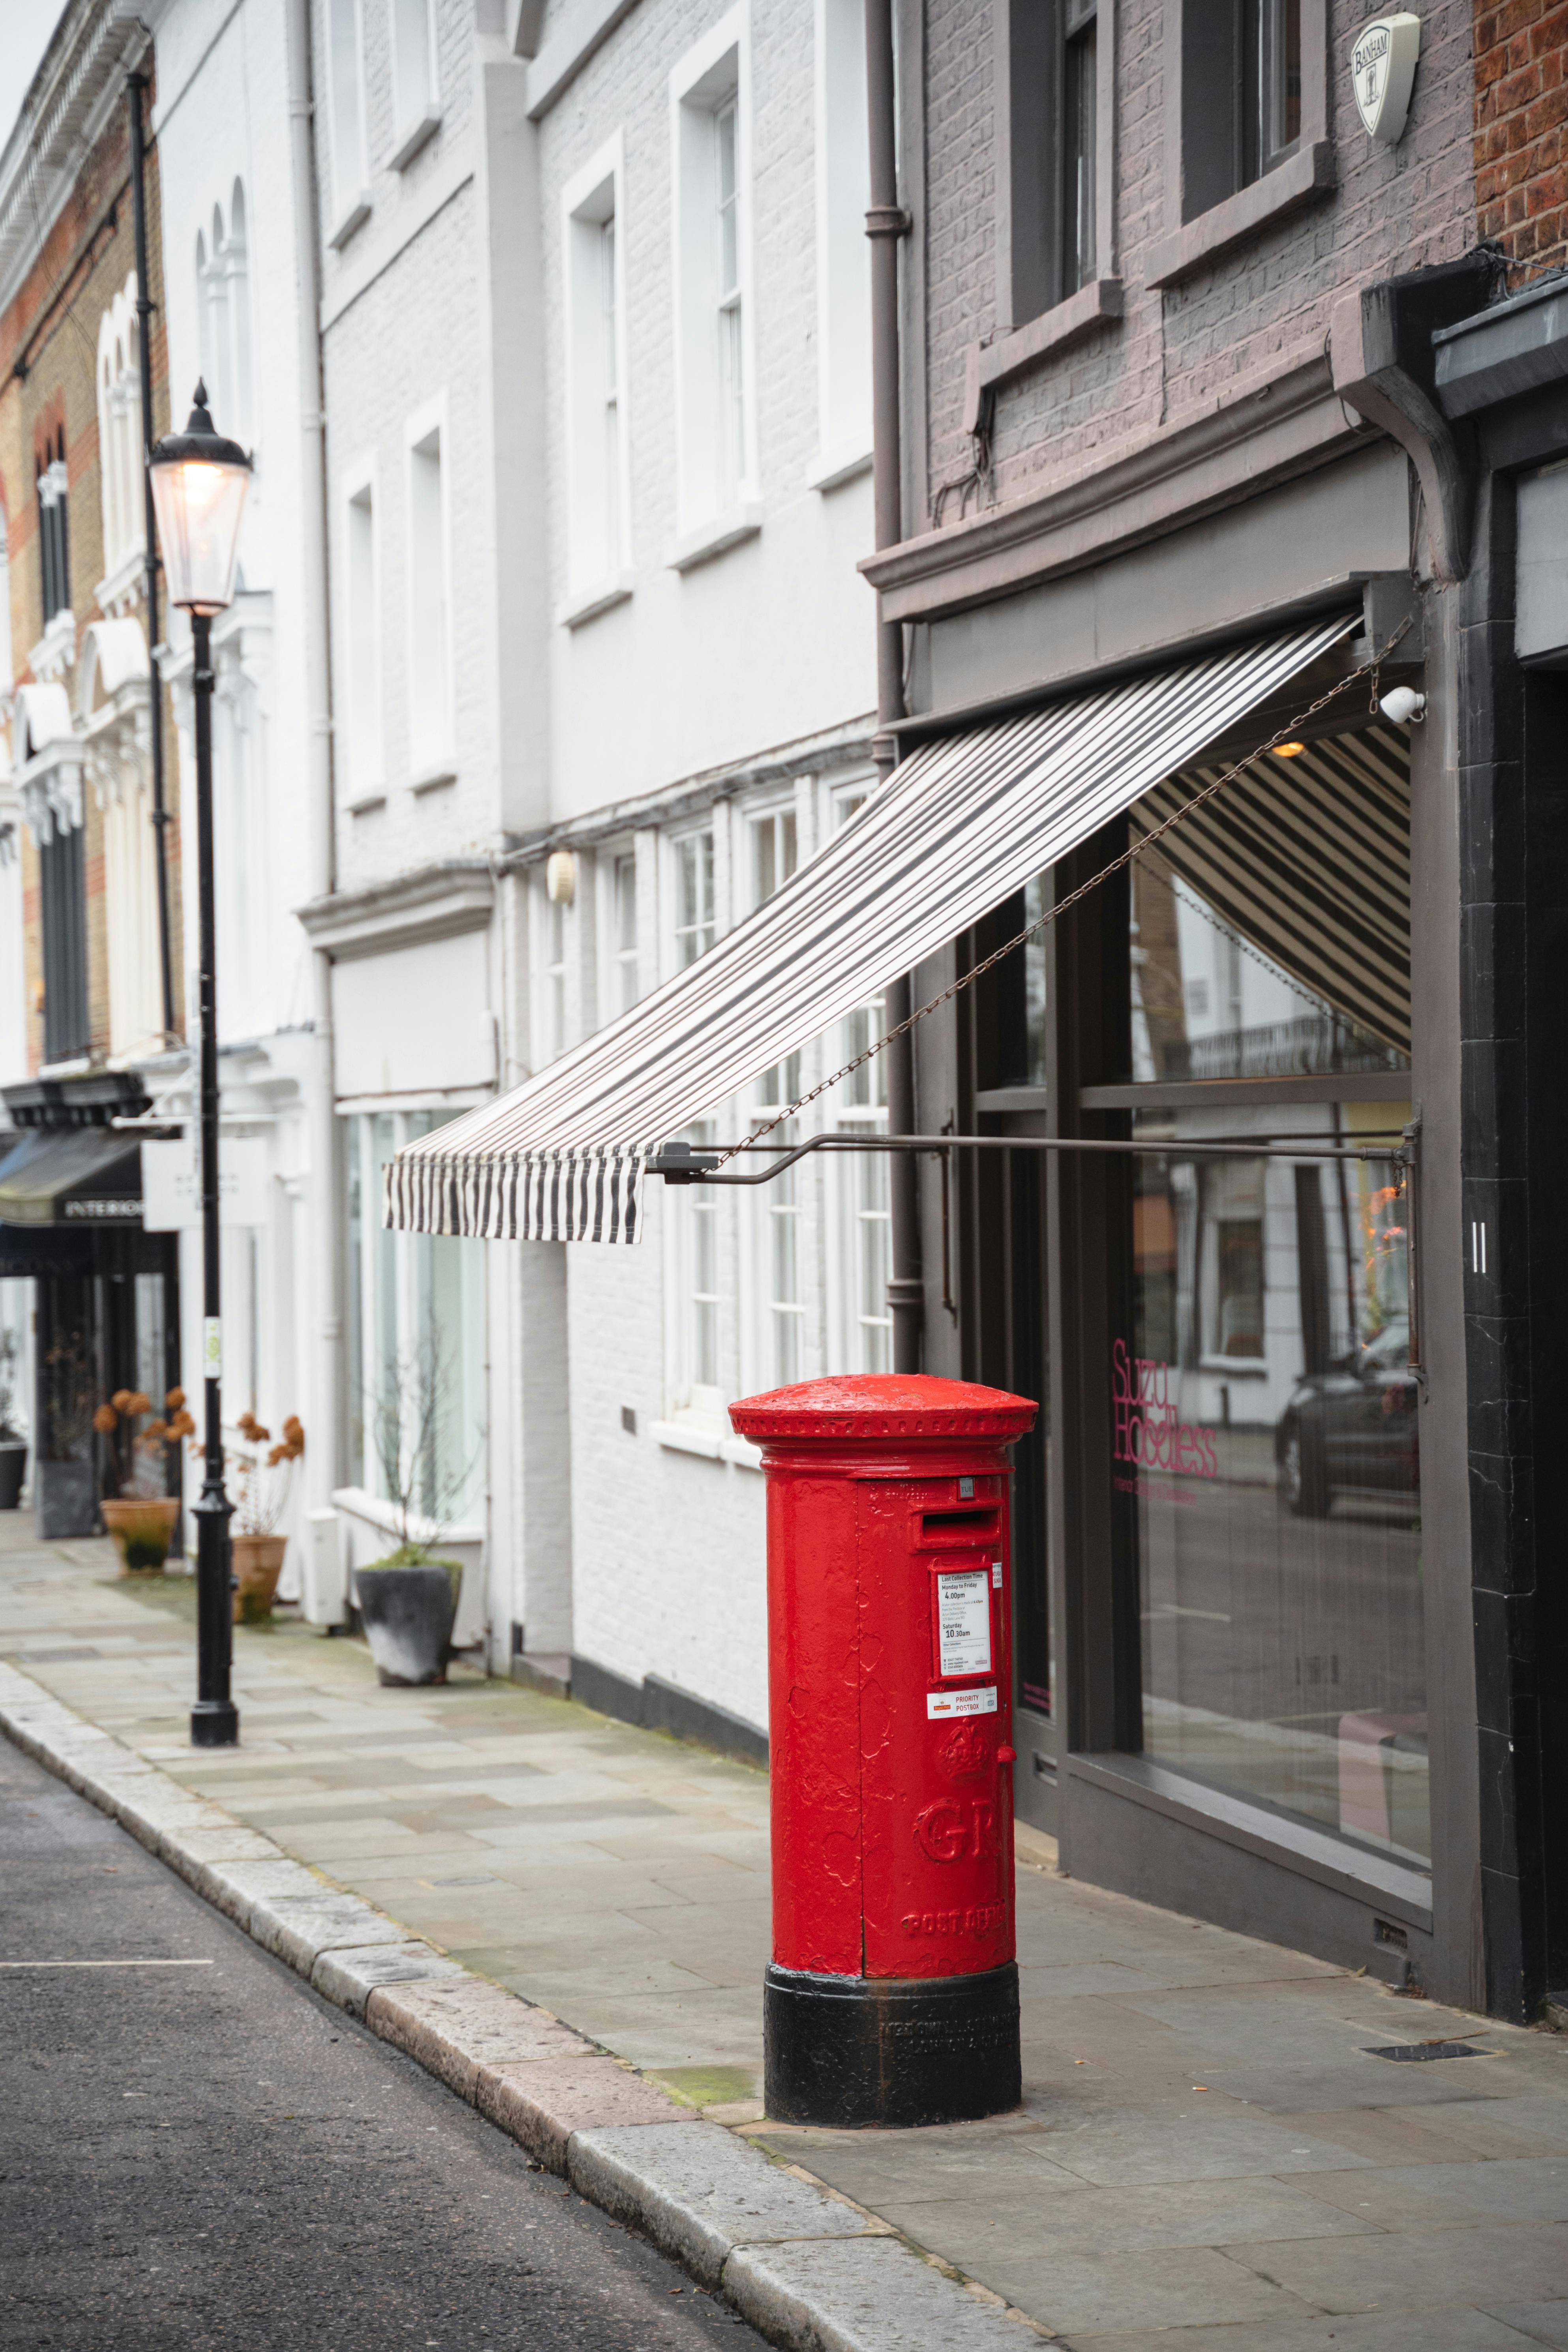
(959, 825)
(1310, 859)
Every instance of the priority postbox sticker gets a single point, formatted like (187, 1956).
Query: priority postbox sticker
(964, 1702)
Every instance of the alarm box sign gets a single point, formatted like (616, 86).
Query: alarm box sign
(1383, 72)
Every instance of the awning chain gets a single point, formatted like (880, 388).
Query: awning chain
(1146, 840)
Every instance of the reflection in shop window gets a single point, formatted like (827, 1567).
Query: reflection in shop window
(1270, 931)
(1232, 1258)
(416, 1345)
(1036, 901)
(1265, 1458)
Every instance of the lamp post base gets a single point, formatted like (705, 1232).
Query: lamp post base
(214, 1723)
(858, 2053)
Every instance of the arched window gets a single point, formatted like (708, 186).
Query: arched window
(220, 399)
(119, 430)
(238, 261)
(222, 301)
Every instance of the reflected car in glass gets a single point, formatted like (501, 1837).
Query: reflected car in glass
(1350, 1429)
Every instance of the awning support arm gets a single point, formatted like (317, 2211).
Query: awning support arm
(677, 1163)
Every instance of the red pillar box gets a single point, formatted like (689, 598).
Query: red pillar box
(892, 1996)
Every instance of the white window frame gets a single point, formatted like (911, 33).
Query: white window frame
(845, 1176)
(554, 1001)
(349, 172)
(120, 436)
(709, 824)
(416, 96)
(364, 733)
(712, 514)
(615, 961)
(599, 493)
(843, 248)
(695, 1418)
(433, 758)
(406, 1251)
(754, 816)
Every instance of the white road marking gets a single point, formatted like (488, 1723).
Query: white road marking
(105, 1963)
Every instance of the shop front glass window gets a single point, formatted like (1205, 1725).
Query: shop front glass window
(417, 1344)
(1266, 1451)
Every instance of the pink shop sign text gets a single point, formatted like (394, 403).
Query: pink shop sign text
(1148, 1433)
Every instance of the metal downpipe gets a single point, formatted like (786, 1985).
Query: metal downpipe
(886, 222)
(324, 1459)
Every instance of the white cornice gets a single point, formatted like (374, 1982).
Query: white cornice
(95, 44)
(438, 902)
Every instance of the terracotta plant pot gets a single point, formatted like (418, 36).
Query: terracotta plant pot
(408, 1614)
(143, 1528)
(257, 1565)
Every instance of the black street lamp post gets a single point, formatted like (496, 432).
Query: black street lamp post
(199, 482)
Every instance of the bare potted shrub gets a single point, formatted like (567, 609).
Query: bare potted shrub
(408, 1601)
(142, 1514)
(65, 1477)
(12, 1443)
(260, 1493)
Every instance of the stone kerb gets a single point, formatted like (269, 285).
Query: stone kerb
(807, 2268)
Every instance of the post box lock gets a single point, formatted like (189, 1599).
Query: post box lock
(892, 1997)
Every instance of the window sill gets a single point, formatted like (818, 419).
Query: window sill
(362, 1504)
(366, 803)
(834, 467)
(1055, 330)
(417, 135)
(742, 1453)
(589, 602)
(1362, 1874)
(1299, 180)
(434, 779)
(1236, 1368)
(688, 1437)
(354, 218)
(715, 538)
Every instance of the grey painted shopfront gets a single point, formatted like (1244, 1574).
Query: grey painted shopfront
(1287, 1637)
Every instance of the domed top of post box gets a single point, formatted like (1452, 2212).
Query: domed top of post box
(873, 1404)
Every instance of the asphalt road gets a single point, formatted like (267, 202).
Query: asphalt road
(209, 2156)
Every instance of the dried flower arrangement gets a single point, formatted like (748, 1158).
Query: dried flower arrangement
(139, 1440)
(260, 1494)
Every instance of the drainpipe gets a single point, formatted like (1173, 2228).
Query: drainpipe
(326, 1424)
(886, 222)
(135, 83)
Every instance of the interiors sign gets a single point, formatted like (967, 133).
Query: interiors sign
(1149, 1433)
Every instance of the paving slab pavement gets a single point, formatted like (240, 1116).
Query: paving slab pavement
(1207, 2156)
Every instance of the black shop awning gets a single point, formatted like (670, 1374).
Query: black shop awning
(85, 1179)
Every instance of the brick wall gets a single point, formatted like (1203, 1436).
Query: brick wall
(1521, 145)
(1176, 350)
(88, 262)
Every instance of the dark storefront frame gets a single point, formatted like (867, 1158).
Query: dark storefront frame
(1024, 1221)
(77, 1234)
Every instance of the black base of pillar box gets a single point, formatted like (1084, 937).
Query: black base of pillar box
(857, 2052)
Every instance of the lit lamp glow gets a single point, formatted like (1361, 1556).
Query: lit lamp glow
(1289, 750)
(199, 483)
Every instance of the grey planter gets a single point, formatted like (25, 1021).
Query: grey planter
(13, 1470)
(408, 1614)
(65, 1499)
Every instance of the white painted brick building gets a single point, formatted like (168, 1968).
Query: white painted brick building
(711, 687)
(233, 232)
